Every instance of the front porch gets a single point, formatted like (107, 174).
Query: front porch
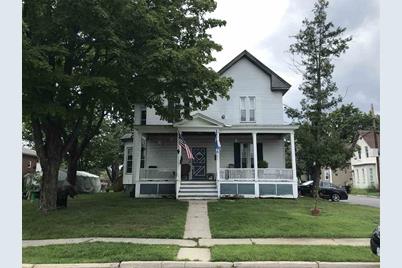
(158, 163)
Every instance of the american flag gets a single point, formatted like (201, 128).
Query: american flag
(184, 145)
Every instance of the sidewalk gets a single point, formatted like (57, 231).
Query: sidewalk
(204, 242)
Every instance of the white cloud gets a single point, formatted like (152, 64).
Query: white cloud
(264, 28)
(248, 23)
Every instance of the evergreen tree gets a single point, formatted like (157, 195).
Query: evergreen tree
(316, 45)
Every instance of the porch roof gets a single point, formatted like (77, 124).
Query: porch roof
(243, 128)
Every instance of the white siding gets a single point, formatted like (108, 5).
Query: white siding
(249, 80)
(161, 151)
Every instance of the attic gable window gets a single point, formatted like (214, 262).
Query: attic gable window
(247, 109)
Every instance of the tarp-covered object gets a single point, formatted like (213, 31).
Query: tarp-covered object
(86, 182)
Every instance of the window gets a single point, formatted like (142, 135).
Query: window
(142, 164)
(143, 116)
(129, 160)
(367, 151)
(247, 109)
(246, 155)
(371, 176)
(364, 176)
(360, 153)
(357, 176)
(252, 108)
(242, 109)
(29, 164)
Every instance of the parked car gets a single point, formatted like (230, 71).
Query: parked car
(375, 241)
(326, 190)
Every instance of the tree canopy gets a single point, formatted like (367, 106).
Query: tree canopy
(83, 60)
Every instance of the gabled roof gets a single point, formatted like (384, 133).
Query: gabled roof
(201, 120)
(368, 136)
(277, 82)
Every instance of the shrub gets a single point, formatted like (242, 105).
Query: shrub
(262, 164)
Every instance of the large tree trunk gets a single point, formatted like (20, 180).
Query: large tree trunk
(50, 148)
(48, 195)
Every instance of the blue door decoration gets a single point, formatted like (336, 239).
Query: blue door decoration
(199, 163)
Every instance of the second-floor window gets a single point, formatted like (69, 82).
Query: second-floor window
(247, 109)
(360, 153)
(143, 116)
(367, 151)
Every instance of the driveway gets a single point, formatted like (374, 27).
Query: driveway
(363, 200)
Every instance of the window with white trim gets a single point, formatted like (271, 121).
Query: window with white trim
(246, 155)
(129, 160)
(243, 109)
(247, 108)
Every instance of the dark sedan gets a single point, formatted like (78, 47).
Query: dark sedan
(326, 190)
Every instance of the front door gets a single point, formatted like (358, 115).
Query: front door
(199, 163)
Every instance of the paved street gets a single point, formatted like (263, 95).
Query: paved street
(363, 200)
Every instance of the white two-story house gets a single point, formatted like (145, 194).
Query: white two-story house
(251, 131)
(364, 162)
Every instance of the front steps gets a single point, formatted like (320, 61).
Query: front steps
(203, 190)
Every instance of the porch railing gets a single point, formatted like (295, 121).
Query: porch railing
(264, 174)
(157, 174)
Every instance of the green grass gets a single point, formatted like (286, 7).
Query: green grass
(98, 252)
(290, 218)
(292, 253)
(370, 192)
(106, 215)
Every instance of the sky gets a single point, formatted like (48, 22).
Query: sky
(265, 27)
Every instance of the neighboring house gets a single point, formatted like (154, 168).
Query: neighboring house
(29, 161)
(250, 129)
(339, 177)
(364, 165)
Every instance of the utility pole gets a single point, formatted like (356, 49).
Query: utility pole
(376, 146)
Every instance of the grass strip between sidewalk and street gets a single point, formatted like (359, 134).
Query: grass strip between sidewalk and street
(106, 215)
(235, 253)
(258, 218)
(98, 252)
(367, 192)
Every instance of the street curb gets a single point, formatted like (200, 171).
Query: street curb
(195, 264)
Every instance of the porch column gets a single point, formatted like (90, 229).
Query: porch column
(137, 141)
(218, 165)
(293, 153)
(256, 186)
(178, 166)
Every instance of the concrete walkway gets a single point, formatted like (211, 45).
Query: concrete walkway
(197, 222)
(286, 241)
(204, 242)
(145, 241)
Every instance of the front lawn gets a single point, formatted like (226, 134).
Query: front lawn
(292, 253)
(106, 215)
(290, 218)
(98, 252)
